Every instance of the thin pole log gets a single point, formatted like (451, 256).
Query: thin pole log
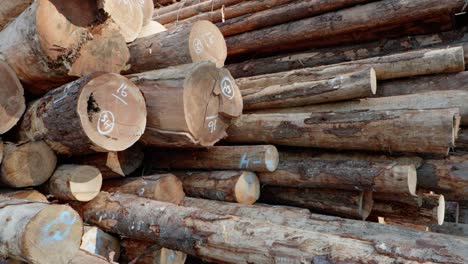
(97, 242)
(371, 130)
(140, 252)
(12, 102)
(230, 186)
(11, 9)
(261, 158)
(162, 8)
(158, 3)
(88, 115)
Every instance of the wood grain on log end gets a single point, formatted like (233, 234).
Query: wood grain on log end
(75, 182)
(128, 15)
(98, 242)
(366, 203)
(207, 43)
(247, 188)
(151, 28)
(12, 102)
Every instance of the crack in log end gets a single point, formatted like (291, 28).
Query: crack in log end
(287, 130)
(93, 107)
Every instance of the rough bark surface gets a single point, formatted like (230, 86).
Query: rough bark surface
(11, 9)
(140, 252)
(12, 102)
(97, 242)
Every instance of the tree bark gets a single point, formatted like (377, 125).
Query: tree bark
(49, 44)
(452, 212)
(26, 165)
(128, 15)
(349, 204)
(453, 229)
(97, 242)
(12, 102)
(163, 187)
(32, 230)
(261, 158)
(230, 186)
(162, 7)
(88, 115)
(114, 164)
(462, 140)
(389, 131)
(185, 107)
(343, 171)
(11, 9)
(331, 25)
(140, 252)
(386, 239)
(75, 183)
(158, 3)
(359, 84)
(32, 195)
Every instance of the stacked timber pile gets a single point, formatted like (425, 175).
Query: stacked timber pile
(227, 131)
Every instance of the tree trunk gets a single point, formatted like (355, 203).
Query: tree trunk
(451, 229)
(387, 239)
(75, 183)
(343, 171)
(185, 107)
(128, 15)
(114, 164)
(452, 212)
(359, 84)
(349, 204)
(28, 164)
(421, 62)
(166, 6)
(88, 115)
(158, 3)
(462, 140)
(32, 195)
(331, 25)
(389, 131)
(12, 102)
(201, 41)
(230, 186)
(11, 9)
(164, 187)
(198, 233)
(97, 242)
(140, 252)
(31, 231)
(262, 158)
(49, 44)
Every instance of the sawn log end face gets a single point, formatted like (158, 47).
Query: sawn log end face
(207, 43)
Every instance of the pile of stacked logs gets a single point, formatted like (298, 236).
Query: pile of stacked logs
(227, 131)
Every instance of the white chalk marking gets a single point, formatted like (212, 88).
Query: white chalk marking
(106, 122)
(226, 88)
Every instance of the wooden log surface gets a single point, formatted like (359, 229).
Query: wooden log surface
(31, 231)
(12, 102)
(230, 186)
(166, 6)
(97, 242)
(128, 15)
(186, 108)
(462, 140)
(260, 158)
(151, 28)
(453, 229)
(86, 257)
(388, 131)
(27, 194)
(88, 115)
(309, 169)
(11, 9)
(452, 211)
(140, 252)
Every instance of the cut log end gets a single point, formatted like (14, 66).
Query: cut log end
(271, 158)
(127, 14)
(373, 81)
(366, 202)
(247, 189)
(169, 189)
(31, 195)
(412, 179)
(76, 182)
(112, 112)
(207, 43)
(12, 102)
(441, 210)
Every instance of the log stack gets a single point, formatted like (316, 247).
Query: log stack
(193, 131)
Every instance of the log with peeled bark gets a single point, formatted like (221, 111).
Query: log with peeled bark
(359, 84)
(12, 102)
(9, 10)
(38, 232)
(159, 3)
(257, 158)
(230, 186)
(116, 164)
(128, 15)
(388, 131)
(349, 204)
(140, 252)
(161, 187)
(161, 7)
(98, 113)
(308, 169)
(420, 62)
(333, 55)
(201, 41)
(24, 194)
(49, 44)
(198, 233)
(26, 164)
(75, 183)
(453, 229)
(387, 239)
(98, 242)
(188, 106)
(331, 25)
(447, 176)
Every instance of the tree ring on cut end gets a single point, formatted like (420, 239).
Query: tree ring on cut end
(206, 43)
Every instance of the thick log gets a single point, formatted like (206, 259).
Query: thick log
(230, 186)
(388, 131)
(307, 169)
(114, 164)
(261, 158)
(387, 239)
(11, 9)
(359, 84)
(151, 28)
(186, 107)
(128, 15)
(201, 41)
(451, 229)
(97, 242)
(86, 257)
(32, 230)
(12, 102)
(421, 62)
(32, 195)
(75, 183)
(349, 204)
(148, 8)
(163, 187)
(462, 140)
(197, 233)
(88, 115)
(331, 25)
(49, 44)
(140, 252)
(27, 164)
(447, 176)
